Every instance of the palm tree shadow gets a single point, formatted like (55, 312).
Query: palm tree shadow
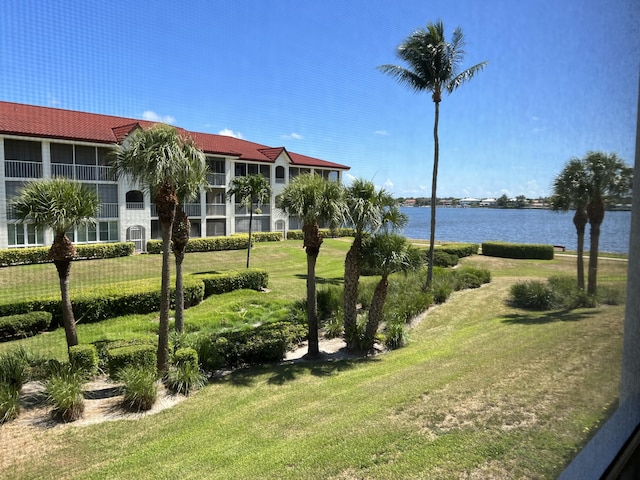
(290, 370)
(542, 318)
(321, 280)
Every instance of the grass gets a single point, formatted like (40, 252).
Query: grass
(483, 390)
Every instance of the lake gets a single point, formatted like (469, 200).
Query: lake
(476, 225)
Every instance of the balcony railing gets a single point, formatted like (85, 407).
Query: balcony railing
(216, 209)
(265, 209)
(83, 172)
(191, 209)
(108, 210)
(20, 169)
(216, 179)
(135, 205)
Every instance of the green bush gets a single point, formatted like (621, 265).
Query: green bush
(395, 336)
(330, 301)
(482, 274)
(518, 250)
(443, 259)
(333, 327)
(559, 292)
(9, 403)
(460, 250)
(140, 389)
(64, 393)
(257, 345)
(84, 359)
(23, 325)
(267, 237)
(611, 295)
(325, 232)
(567, 294)
(184, 374)
(532, 294)
(13, 368)
(143, 356)
(216, 283)
(20, 256)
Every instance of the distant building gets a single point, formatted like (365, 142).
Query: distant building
(469, 202)
(39, 142)
(488, 202)
(410, 202)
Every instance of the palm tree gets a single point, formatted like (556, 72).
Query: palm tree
(188, 189)
(607, 176)
(160, 160)
(434, 66)
(314, 201)
(570, 191)
(367, 211)
(62, 205)
(386, 253)
(249, 191)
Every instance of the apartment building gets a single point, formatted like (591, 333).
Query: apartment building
(41, 142)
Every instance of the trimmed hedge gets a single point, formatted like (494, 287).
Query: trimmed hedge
(216, 283)
(23, 325)
(324, 232)
(140, 356)
(237, 241)
(518, 250)
(458, 249)
(84, 358)
(23, 256)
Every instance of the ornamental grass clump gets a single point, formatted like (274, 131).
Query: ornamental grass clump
(64, 392)
(9, 403)
(140, 388)
(184, 375)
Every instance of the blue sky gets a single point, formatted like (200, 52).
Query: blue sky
(562, 79)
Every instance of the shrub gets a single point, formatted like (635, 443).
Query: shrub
(330, 300)
(395, 336)
(532, 294)
(23, 325)
(466, 280)
(9, 403)
(238, 241)
(611, 295)
(333, 327)
(13, 369)
(19, 256)
(567, 294)
(140, 388)
(458, 249)
(143, 356)
(84, 359)
(184, 375)
(325, 232)
(267, 236)
(443, 259)
(64, 393)
(216, 282)
(482, 274)
(517, 250)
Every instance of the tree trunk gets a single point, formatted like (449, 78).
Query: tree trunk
(595, 211)
(62, 252)
(180, 238)
(312, 243)
(434, 184)
(375, 313)
(250, 232)
(580, 220)
(351, 280)
(166, 202)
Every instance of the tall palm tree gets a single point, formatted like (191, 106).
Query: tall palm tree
(160, 160)
(62, 205)
(433, 65)
(249, 191)
(314, 201)
(386, 253)
(188, 189)
(607, 176)
(367, 211)
(570, 191)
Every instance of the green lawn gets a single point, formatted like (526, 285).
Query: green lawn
(483, 390)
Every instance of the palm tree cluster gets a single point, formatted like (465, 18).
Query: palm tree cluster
(584, 185)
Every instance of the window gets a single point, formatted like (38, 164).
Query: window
(22, 235)
(252, 168)
(135, 200)
(108, 231)
(240, 169)
(61, 153)
(85, 155)
(265, 171)
(279, 174)
(23, 159)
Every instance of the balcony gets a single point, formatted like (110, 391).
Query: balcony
(135, 205)
(108, 210)
(83, 172)
(191, 209)
(216, 209)
(19, 169)
(216, 179)
(264, 209)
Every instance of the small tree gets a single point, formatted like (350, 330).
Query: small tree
(385, 253)
(314, 201)
(252, 192)
(62, 205)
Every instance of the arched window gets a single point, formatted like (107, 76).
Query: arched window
(279, 174)
(135, 200)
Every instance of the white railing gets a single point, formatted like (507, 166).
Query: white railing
(19, 169)
(216, 209)
(135, 205)
(82, 172)
(265, 209)
(216, 179)
(192, 209)
(108, 210)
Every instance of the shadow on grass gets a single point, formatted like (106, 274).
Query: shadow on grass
(321, 280)
(290, 370)
(541, 318)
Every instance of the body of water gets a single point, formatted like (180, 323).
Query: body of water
(477, 225)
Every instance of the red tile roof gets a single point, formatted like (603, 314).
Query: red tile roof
(55, 123)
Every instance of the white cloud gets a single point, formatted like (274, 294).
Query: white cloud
(388, 184)
(349, 178)
(227, 132)
(154, 117)
(424, 188)
(292, 136)
(382, 133)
